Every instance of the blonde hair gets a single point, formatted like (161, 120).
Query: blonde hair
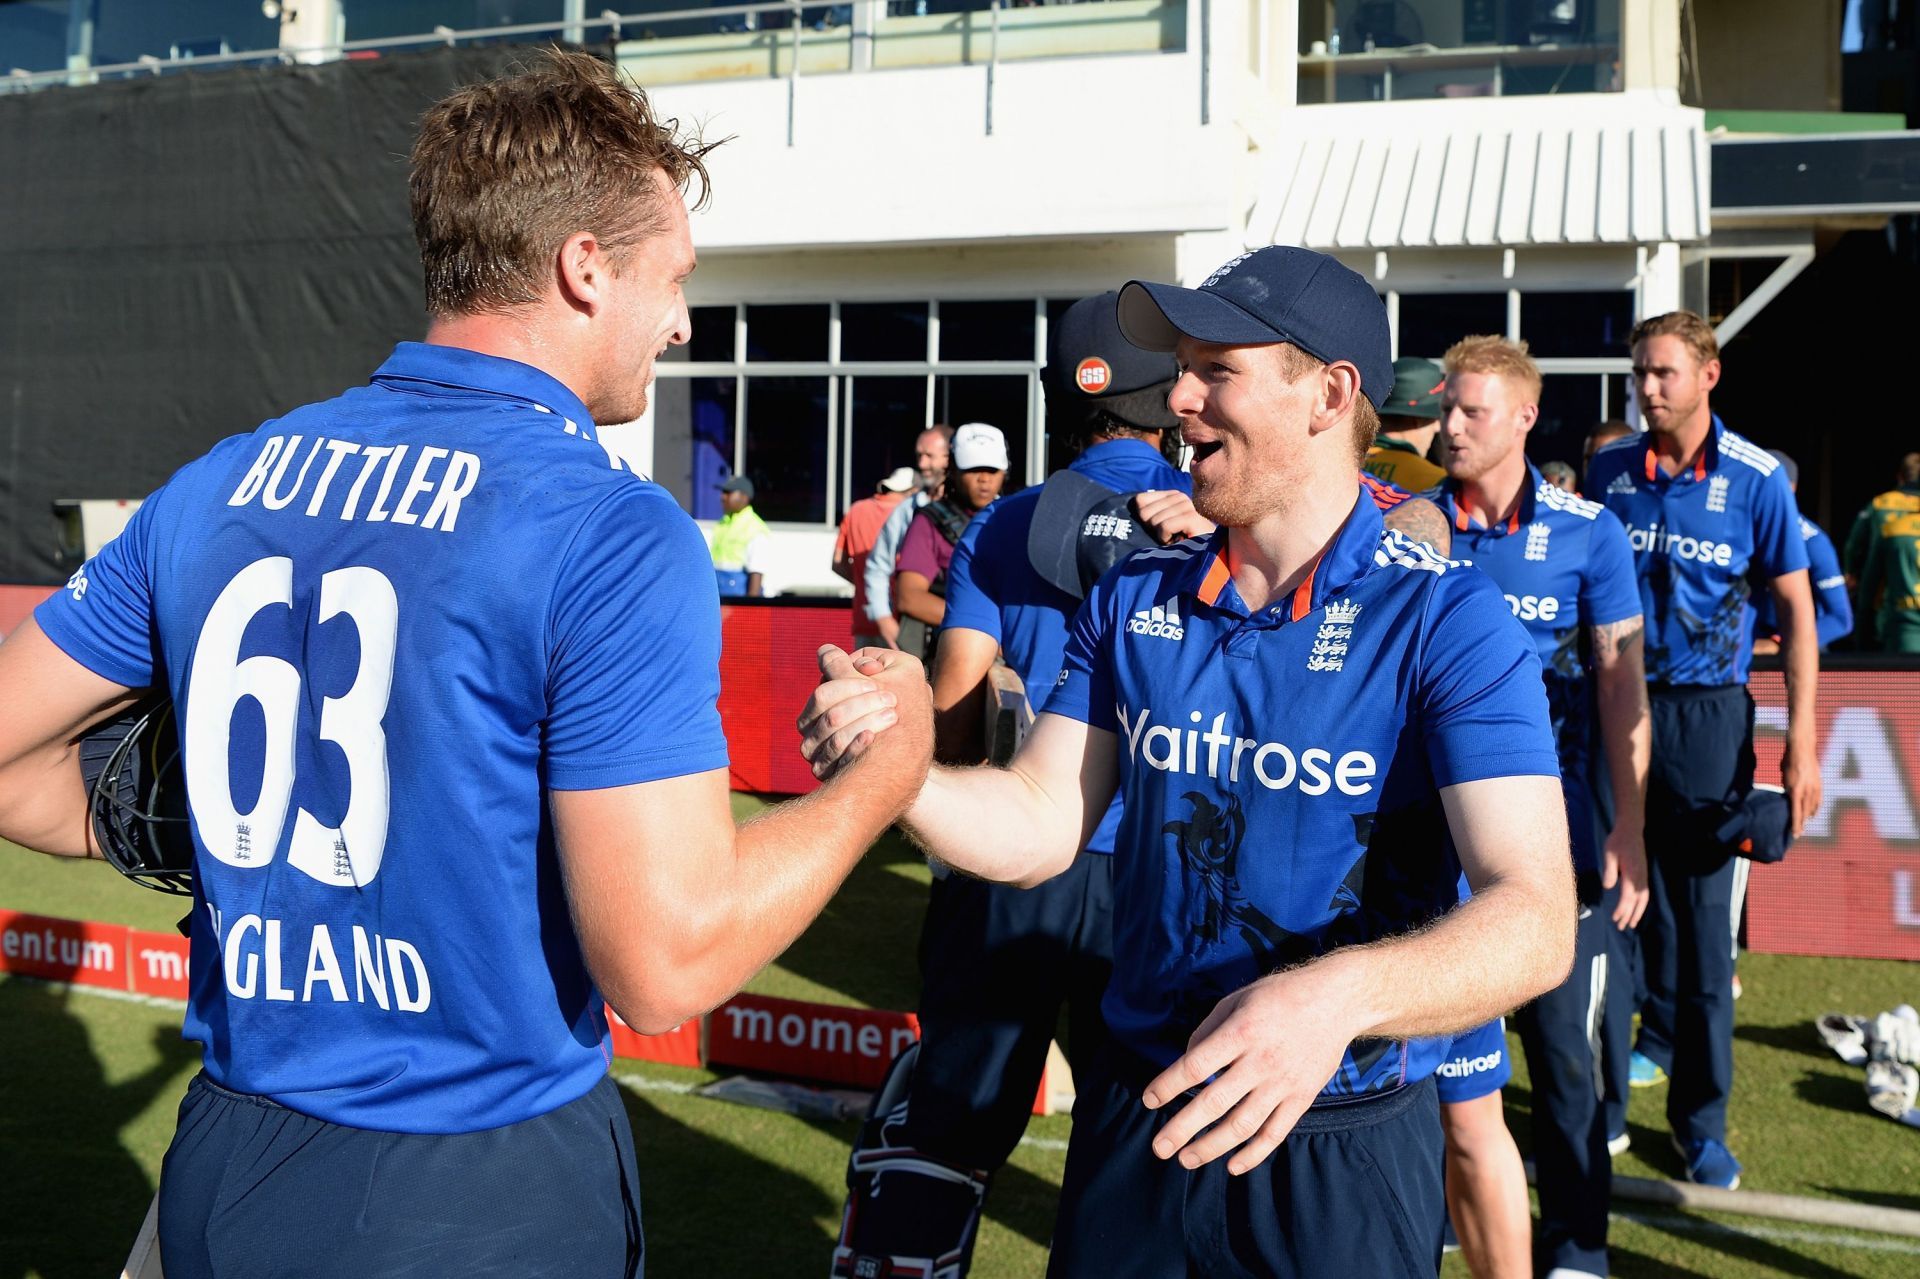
(1495, 357)
(1685, 325)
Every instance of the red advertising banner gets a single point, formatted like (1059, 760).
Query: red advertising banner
(767, 670)
(157, 964)
(72, 950)
(808, 1041)
(1850, 885)
(678, 1047)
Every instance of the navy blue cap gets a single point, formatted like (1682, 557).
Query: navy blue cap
(1760, 826)
(1275, 294)
(1091, 365)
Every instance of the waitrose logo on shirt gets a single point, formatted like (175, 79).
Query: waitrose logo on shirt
(1211, 749)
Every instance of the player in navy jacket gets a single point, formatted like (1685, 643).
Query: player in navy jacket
(1320, 723)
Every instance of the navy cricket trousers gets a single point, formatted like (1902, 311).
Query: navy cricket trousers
(1354, 1192)
(1702, 761)
(252, 1190)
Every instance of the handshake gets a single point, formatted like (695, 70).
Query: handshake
(872, 715)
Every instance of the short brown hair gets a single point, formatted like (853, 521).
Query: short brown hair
(504, 171)
(1495, 357)
(1685, 325)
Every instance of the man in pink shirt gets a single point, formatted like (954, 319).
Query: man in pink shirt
(859, 529)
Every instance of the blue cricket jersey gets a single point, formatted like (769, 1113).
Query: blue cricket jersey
(992, 587)
(391, 622)
(1696, 535)
(1563, 564)
(1282, 768)
(1832, 606)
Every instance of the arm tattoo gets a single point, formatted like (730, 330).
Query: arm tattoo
(1615, 638)
(1422, 521)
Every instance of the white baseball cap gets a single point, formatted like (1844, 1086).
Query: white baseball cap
(902, 479)
(979, 447)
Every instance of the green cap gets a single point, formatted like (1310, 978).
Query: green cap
(1417, 385)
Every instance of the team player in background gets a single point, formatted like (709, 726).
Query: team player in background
(1409, 421)
(446, 673)
(998, 962)
(1883, 554)
(1832, 609)
(1704, 509)
(1342, 722)
(1567, 572)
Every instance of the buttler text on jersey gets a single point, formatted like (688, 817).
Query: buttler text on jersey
(448, 474)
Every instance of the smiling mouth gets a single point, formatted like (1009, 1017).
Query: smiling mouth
(1201, 452)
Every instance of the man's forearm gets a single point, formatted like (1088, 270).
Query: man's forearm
(1510, 943)
(1800, 659)
(993, 823)
(1626, 726)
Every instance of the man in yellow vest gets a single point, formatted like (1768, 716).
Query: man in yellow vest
(1408, 422)
(740, 541)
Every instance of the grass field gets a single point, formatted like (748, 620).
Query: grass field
(88, 1087)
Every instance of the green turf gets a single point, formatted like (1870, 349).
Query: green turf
(88, 1086)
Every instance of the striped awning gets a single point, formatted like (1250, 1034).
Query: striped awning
(1496, 173)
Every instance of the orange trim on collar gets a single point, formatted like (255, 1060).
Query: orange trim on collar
(1460, 522)
(1303, 593)
(1214, 582)
(1699, 463)
(1513, 521)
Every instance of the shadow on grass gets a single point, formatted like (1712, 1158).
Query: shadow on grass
(1731, 1241)
(1878, 1198)
(1796, 1037)
(697, 1193)
(864, 945)
(1627, 1264)
(1833, 1091)
(74, 1195)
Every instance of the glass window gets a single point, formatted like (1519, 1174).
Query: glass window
(1570, 407)
(712, 335)
(986, 330)
(366, 21)
(33, 35)
(883, 331)
(1432, 322)
(885, 417)
(1362, 50)
(1577, 324)
(787, 333)
(693, 429)
(125, 29)
(998, 400)
(786, 455)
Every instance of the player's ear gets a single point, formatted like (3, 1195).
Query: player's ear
(1339, 392)
(1710, 374)
(581, 272)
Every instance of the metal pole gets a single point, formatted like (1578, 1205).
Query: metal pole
(793, 73)
(574, 14)
(1206, 62)
(993, 60)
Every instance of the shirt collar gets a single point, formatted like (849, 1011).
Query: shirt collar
(1522, 513)
(1385, 441)
(1121, 450)
(1709, 459)
(1349, 558)
(432, 369)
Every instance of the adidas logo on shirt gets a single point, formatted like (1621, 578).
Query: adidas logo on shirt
(1622, 483)
(1162, 621)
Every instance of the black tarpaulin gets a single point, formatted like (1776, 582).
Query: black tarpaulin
(184, 257)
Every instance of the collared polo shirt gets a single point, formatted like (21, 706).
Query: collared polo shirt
(1697, 535)
(1563, 565)
(392, 622)
(1282, 766)
(992, 586)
